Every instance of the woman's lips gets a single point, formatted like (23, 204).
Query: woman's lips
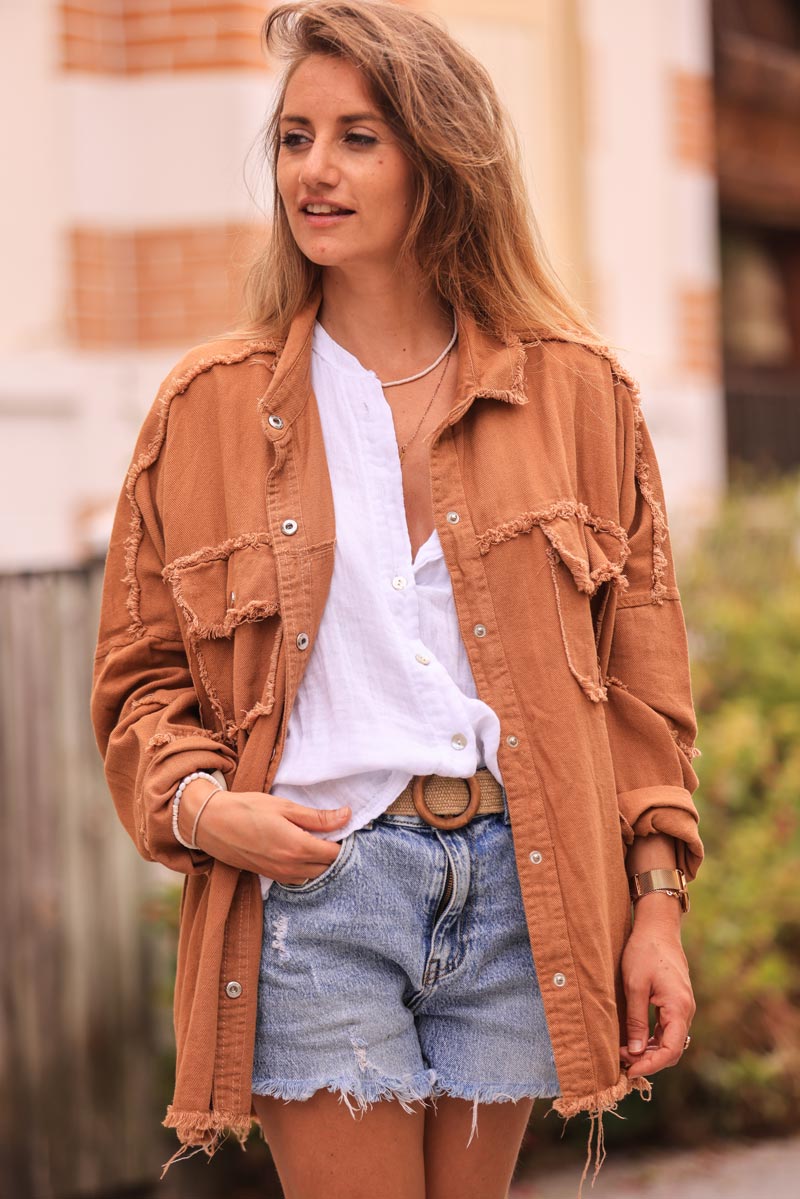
(321, 219)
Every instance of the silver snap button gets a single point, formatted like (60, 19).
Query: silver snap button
(512, 740)
(233, 598)
(288, 527)
(458, 741)
(480, 630)
(302, 640)
(233, 990)
(423, 659)
(398, 582)
(453, 517)
(559, 980)
(535, 857)
(275, 421)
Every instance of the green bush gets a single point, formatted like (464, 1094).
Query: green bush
(741, 595)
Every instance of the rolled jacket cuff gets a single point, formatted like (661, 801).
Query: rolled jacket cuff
(176, 756)
(663, 809)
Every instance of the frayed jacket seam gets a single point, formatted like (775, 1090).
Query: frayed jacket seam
(149, 456)
(641, 467)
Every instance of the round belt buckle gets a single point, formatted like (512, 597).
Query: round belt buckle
(457, 819)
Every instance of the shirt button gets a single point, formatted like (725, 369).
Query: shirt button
(398, 582)
(535, 857)
(288, 527)
(302, 640)
(458, 741)
(453, 517)
(559, 980)
(275, 421)
(233, 990)
(512, 740)
(423, 659)
(480, 630)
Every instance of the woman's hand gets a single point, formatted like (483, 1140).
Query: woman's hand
(655, 970)
(260, 832)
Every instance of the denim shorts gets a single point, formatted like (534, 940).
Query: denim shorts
(371, 987)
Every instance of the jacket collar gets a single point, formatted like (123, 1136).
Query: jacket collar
(487, 366)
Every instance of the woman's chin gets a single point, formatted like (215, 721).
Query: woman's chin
(326, 254)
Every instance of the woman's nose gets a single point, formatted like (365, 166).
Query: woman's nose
(319, 165)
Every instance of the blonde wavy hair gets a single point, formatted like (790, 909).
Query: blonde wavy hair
(472, 227)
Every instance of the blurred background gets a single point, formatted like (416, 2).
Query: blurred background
(662, 146)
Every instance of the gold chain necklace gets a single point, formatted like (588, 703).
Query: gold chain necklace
(405, 446)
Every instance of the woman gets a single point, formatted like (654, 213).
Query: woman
(391, 661)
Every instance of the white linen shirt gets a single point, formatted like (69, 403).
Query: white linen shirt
(388, 690)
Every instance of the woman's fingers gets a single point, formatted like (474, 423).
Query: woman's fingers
(316, 819)
(254, 831)
(655, 972)
(667, 1053)
(638, 1018)
(629, 1058)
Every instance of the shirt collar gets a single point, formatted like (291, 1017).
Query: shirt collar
(487, 366)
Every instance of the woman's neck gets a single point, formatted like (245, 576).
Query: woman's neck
(394, 326)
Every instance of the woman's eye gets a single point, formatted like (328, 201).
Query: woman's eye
(297, 139)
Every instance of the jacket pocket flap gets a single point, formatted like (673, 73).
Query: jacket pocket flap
(594, 549)
(223, 586)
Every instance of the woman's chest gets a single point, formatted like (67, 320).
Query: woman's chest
(377, 449)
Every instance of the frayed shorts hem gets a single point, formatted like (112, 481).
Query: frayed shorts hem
(423, 1087)
(407, 1090)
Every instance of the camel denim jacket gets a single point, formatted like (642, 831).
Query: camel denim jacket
(549, 506)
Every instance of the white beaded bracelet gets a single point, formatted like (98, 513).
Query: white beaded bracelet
(176, 802)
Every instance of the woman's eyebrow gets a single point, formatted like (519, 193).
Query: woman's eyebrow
(347, 119)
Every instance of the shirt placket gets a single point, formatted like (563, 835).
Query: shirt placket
(452, 733)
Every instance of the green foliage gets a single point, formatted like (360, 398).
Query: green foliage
(741, 595)
(160, 913)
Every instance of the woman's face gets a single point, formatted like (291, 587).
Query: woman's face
(337, 150)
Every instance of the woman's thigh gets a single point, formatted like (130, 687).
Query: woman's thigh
(319, 1148)
(485, 1169)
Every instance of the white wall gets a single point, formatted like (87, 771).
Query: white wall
(33, 157)
(112, 153)
(653, 230)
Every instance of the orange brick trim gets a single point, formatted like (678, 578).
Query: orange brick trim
(155, 287)
(140, 36)
(699, 331)
(692, 105)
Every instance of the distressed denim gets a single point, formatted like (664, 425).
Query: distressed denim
(375, 985)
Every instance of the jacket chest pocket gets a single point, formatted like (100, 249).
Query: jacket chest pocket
(584, 552)
(229, 603)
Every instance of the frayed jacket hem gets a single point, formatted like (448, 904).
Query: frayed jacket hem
(204, 1131)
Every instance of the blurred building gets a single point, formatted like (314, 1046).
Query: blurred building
(757, 58)
(136, 186)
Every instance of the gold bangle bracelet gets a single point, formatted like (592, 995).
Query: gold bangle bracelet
(670, 879)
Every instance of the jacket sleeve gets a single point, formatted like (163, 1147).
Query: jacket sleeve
(650, 713)
(144, 707)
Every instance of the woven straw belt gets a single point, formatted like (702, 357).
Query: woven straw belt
(449, 802)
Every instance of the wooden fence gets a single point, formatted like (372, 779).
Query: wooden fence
(84, 1033)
